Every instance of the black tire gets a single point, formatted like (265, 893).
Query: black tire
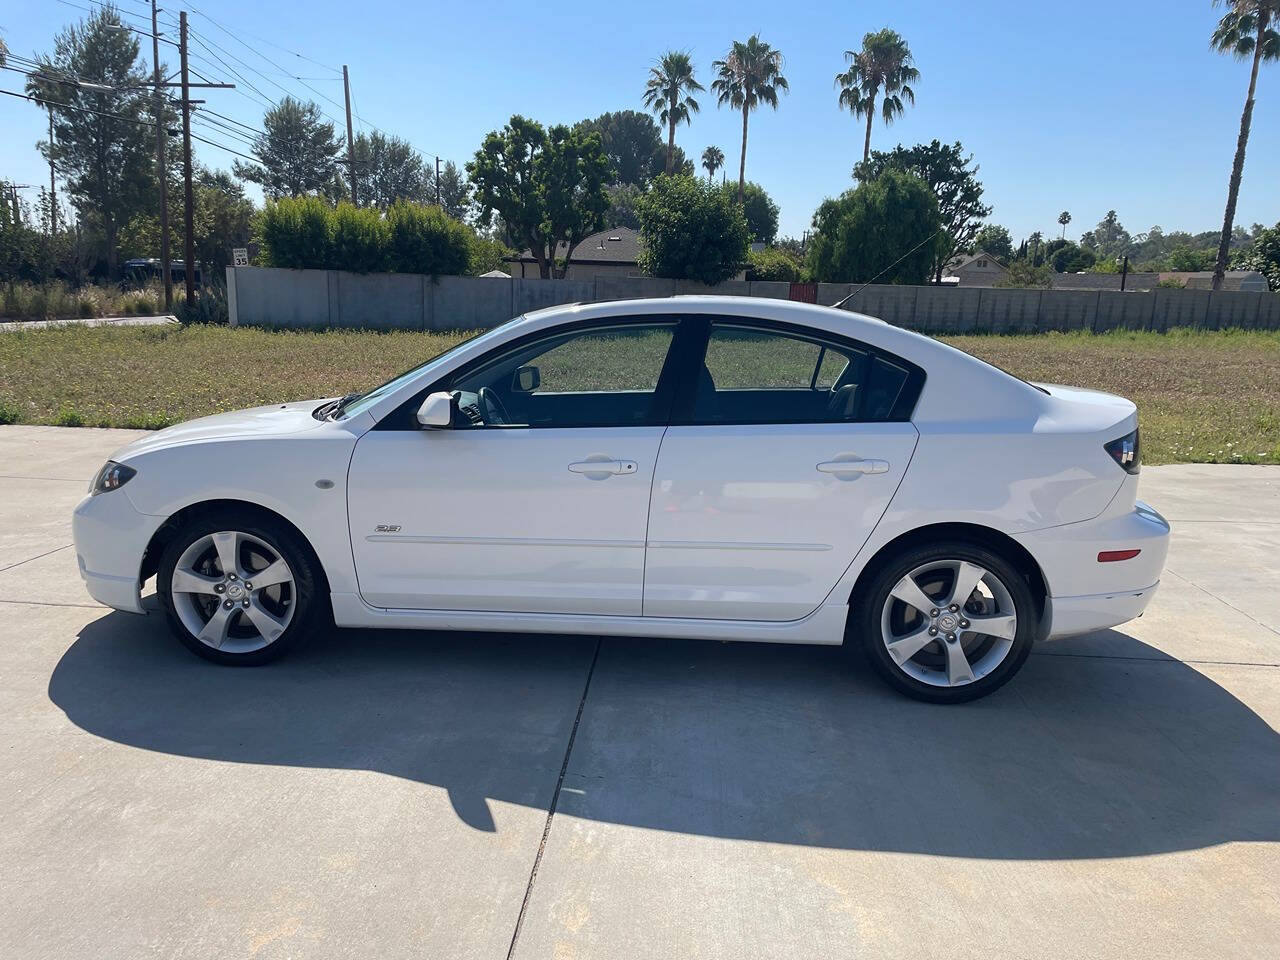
(865, 621)
(306, 595)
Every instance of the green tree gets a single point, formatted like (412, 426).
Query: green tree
(1247, 31)
(1183, 258)
(749, 75)
(1064, 218)
(669, 95)
(773, 263)
(455, 192)
(1070, 258)
(1263, 256)
(547, 185)
(712, 160)
(389, 169)
(947, 171)
(623, 198)
(1109, 239)
(297, 152)
(105, 156)
(425, 239)
(883, 66)
(759, 209)
(691, 230)
(993, 239)
(885, 230)
(632, 143)
(1022, 273)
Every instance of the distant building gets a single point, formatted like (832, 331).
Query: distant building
(977, 269)
(609, 253)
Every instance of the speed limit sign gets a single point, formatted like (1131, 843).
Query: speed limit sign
(240, 257)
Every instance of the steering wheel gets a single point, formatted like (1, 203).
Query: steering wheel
(491, 407)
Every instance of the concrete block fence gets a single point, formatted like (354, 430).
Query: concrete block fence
(273, 297)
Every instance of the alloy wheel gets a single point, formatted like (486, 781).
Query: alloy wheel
(233, 591)
(948, 623)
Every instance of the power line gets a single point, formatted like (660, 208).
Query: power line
(70, 106)
(266, 41)
(223, 147)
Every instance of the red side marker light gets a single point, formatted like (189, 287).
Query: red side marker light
(1111, 556)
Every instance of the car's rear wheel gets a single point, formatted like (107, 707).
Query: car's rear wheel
(945, 622)
(239, 589)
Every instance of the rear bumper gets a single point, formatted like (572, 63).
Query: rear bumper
(1087, 595)
(110, 538)
(1069, 616)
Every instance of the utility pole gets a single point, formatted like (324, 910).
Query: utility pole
(1124, 271)
(188, 242)
(351, 146)
(162, 171)
(437, 181)
(53, 186)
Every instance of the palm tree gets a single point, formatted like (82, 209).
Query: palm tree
(667, 94)
(1064, 218)
(1246, 31)
(883, 65)
(749, 75)
(712, 160)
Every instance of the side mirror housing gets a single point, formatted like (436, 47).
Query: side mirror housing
(526, 379)
(436, 411)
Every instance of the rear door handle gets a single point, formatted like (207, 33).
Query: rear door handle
(851, 469)
(598, 469)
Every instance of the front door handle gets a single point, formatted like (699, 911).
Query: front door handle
(598, 469)
(852, 469)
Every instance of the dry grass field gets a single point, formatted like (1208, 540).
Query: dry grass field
(1202, 396)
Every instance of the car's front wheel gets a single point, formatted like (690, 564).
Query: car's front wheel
(946, 622)
(239, 589)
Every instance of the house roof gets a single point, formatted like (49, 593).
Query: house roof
(615, 245)
(965, 259)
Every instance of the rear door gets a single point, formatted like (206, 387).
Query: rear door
(782, 456)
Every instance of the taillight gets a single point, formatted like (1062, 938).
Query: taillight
(1126, 452)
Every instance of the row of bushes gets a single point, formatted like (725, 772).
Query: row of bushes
(307, 233)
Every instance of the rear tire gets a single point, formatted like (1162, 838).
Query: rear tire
(206, 583)
(934, 645)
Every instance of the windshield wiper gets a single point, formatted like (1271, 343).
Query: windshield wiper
(333, 409)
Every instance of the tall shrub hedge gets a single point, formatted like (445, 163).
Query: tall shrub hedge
(306, 233)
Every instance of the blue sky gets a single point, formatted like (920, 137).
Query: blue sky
(1083, 107)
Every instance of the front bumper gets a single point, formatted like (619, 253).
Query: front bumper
(110, 539)
(1086, 595)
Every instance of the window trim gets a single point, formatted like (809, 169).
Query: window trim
(404, 416)
(703, 324)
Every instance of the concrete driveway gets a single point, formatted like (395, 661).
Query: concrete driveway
(435, 795)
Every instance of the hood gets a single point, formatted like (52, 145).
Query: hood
(277, 420)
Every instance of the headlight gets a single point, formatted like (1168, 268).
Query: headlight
(112, 476)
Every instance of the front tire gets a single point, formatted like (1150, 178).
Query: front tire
(945, 622)
(239, 589)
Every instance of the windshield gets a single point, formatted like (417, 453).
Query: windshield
(359, 403)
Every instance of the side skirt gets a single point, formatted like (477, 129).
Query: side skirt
(825, 626)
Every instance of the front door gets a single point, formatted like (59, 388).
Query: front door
(778, 465)
(536, 500)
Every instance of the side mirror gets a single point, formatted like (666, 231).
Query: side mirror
(526, 379)
(436, 411)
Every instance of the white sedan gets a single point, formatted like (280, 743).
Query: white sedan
(701, 467)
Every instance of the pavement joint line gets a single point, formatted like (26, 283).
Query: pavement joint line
(555, 799)
(50, 603)
(1210, 593)
(65, 546)
(22, 476)
(1165, 659)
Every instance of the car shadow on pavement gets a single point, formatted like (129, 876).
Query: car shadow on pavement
(1079, 756)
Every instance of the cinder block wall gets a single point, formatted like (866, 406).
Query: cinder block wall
(273, 297)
